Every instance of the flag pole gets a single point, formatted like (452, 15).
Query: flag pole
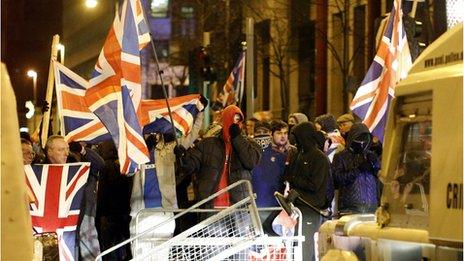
(160, 76)
(49, 94)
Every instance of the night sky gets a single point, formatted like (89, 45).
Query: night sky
(27, 31)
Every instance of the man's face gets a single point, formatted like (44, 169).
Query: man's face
(345, 126)
(58, 152)
(280, 137)
(250, 126)
(318, 126)
(28, 153)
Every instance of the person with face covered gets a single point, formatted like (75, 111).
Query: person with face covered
(267, 175)
(262, 134)
(355, 172)
(308, 174)
(221, 160)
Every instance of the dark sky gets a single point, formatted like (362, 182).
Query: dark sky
(27, 31)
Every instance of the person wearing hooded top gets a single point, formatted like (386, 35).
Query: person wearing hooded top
(296, 118)
(220, 161)
(355, 172)
(308, 174)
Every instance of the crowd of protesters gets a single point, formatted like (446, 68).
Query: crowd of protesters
(330, 164)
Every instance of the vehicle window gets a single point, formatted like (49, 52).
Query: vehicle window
(411, 181)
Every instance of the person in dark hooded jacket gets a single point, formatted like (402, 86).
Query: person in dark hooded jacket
(308, 174)
(220, 161)
(355, 172)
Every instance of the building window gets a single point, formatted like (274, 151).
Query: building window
(187, 12)
(159, 8)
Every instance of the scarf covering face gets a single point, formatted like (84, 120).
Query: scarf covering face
(263, 140)
(228, 115)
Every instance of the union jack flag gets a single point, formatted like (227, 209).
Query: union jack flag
(154, 114)
(234, 87)
(391, 64)
(58, 192)
(115, 92)
(78, 123)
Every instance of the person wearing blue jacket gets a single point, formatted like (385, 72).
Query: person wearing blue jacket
(355, 172)
(267, 175)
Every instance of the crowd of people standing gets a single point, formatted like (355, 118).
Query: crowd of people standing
(331, 164)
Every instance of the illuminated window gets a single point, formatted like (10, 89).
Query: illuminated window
(187, 12)
(159, 8)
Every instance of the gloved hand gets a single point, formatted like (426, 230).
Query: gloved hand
(180, 151)
(234, 130)
(203, 101)
(45, 107)
(75, 147)
(168, 137)
(365, 166)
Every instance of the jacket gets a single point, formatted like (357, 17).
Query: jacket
(206, 159)
(355, 175)
(267, 175)
(309, 171)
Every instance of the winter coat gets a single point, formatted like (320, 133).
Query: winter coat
(267, 175)
(206, 159)
(355, 175)
(309, 171)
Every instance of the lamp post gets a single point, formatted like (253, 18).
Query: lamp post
(33, 74)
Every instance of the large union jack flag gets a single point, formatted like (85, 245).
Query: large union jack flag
(235, 85)
(391, 64)
(58, 192)
(115, 92)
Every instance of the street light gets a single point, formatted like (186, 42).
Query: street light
(91, 3)
(61, 49)
(33, 74)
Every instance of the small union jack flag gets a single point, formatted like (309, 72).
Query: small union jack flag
(154, 114)
(234, 87)
(391, 64)
(58, 192)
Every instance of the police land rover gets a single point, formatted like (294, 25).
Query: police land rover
(421, 213)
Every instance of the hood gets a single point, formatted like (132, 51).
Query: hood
(306, 136)
(228, 119)
(356, 130)
(358, 139)
(300, 117)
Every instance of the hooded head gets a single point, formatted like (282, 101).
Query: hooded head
(358, 139)
(230, 115)
(296, 118)
(306, 136)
